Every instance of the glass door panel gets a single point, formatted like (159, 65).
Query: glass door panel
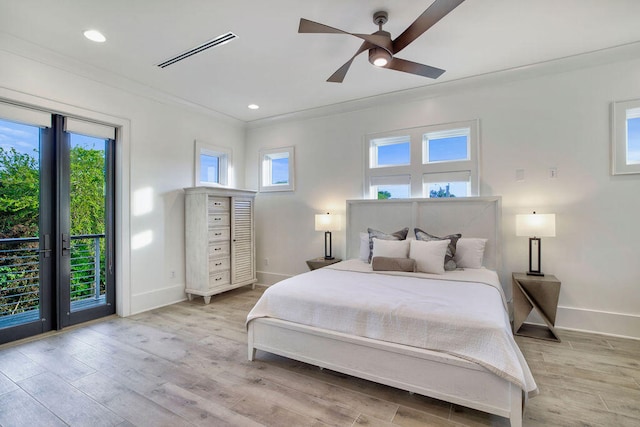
(88, 182)
(24, 305)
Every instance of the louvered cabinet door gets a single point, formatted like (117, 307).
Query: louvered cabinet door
(242, 241)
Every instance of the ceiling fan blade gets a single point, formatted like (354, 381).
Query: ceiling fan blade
(307, 26)
(414, 68)
(341, 72)
(438, 10)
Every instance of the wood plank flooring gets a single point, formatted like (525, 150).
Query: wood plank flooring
(186, 365)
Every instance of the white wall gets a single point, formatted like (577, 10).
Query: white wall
(554, 120)
(158, 161)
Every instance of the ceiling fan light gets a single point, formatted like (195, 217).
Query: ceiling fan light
(379, 57)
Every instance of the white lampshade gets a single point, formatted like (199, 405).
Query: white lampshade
(327, 222)
(536, 225)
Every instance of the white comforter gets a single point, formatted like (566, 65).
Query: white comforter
(462, 313)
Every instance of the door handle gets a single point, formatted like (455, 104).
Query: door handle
(46, 243)
(66, 244)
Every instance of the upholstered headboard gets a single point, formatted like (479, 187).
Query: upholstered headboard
(470, 216)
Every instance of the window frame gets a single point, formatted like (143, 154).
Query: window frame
(619, 140)
(417, 168)
(224, 164)
(265, 177)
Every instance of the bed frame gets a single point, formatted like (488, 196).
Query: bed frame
(416, 370)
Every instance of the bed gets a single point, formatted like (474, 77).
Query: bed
(491, 377)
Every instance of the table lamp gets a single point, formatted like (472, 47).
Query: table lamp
(535, 226)
(327, 223)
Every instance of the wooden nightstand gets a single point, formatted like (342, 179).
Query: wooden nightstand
(541, 293)
(321, 262)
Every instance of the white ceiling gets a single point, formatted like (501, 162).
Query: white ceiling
(271, 65)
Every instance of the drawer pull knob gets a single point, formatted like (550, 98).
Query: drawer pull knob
(218, 234)
(218, 279)
(218, 264)
(217, 249)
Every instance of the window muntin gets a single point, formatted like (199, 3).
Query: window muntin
(435, 149)
(395, 151)
(445, 146)
(212, 165)
(276, 169)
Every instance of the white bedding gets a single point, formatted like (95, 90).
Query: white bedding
(462, 313)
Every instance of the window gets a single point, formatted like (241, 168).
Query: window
(390, 152)
(391, 187)
(445, 146)
(625, 140)
(446, 184)
(429, 161)
(276, 169)
(212, 165)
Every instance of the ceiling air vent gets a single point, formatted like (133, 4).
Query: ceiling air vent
(220, 40)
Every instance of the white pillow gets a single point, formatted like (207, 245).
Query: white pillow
(429, 255)
(364, 247)
(390, 248)
(469, 252)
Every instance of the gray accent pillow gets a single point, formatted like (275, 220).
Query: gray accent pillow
(380, 263)
(398, 235)
(449, 263)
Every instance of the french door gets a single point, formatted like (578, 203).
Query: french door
(56, 224)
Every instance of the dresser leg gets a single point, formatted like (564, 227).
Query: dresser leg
(207, 300)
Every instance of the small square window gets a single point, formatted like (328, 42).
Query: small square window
(212, 165)
(276, 169)
(390, 152)
(445, 146)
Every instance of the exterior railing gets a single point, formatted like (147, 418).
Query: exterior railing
(20, 274)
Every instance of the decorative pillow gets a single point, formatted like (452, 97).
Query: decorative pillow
(449, 262)
(364, 247)
(470, 252)
(390, 248)
(429, 255)
(398, 235)
(381, 263)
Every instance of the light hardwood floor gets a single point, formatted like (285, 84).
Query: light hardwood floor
(186, 364)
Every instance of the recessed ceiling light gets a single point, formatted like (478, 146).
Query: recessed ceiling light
(95, 36)
(253, 106)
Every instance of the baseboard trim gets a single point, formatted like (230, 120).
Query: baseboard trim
(157, 298)
(600, 322)
(268, 279)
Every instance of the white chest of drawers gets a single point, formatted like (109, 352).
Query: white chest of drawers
(220, 245)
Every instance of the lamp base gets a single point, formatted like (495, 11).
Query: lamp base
(535, 273)
(329, 257)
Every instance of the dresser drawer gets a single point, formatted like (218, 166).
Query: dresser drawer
(219, 264)
(218, 204)
(219, 234)
(219, 278)
(218, 220)
(218, 250)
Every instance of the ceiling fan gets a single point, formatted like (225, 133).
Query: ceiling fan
(382, 49)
